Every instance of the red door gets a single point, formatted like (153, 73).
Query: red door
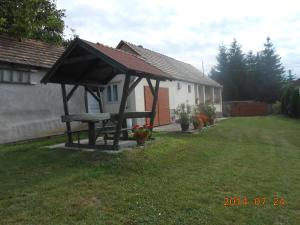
(162, 116)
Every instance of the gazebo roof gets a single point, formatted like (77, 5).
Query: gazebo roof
(87, 63)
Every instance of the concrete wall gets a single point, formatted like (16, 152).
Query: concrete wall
(33, 110)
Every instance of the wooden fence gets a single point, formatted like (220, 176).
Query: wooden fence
(246, 108)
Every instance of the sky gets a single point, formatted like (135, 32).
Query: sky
(188, 30)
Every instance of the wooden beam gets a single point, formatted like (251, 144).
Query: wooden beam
(93, 94)
(66, 110)
(86, 117)
(150, 86)
(71, 92)
(79, 59)
(122, 110)
(155, 98)
(90, 83)
(135, 83)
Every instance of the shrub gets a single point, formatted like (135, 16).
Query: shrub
(290, 102)
(276, 107)
(209, 110)
(294, 103)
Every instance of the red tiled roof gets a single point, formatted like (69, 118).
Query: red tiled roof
(28, 52)
(130, 61)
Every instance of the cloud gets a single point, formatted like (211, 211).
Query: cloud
(190, 30)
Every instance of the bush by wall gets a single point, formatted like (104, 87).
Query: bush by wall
(290, 102)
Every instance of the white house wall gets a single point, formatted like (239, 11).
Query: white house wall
(34, 110)
(136, 100)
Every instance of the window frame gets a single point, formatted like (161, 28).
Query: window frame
(110, 91)
(16, 76)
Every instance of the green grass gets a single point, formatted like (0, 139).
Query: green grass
(179, 179)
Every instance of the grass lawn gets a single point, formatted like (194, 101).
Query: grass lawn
(180, 179)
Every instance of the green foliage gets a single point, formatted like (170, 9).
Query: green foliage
(209, 110)
(276, 108)
(290, 102)
(294, 103)
(249, 77)
(35, 19)
(183, 111)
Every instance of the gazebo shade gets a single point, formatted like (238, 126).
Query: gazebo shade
(86, 63)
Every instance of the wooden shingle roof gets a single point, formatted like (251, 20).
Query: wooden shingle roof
(87, 63)
(28, 52)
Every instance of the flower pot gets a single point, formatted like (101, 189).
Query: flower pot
(141, 142)
(211, 121)
(184, 126)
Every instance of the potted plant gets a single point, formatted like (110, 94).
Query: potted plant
(142, 133)
(183, 112)
(210, 111)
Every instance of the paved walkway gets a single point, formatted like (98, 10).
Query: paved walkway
(173, 127)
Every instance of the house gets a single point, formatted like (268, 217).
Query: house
(29, 109)
(189, 85)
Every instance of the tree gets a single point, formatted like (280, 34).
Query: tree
(35, 19)
(230, 71)
(290, 76)
(272, 73)
(237, 72)
(220, 72)
(252, 71)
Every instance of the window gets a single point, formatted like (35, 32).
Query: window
(14, 76)
(115, 92)
(178, 85)
(112, 93)
(189, 88)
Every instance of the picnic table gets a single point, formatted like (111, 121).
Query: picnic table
(93, 118)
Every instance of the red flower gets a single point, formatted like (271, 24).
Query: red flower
(136, 126)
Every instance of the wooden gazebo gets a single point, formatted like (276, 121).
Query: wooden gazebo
(92, 66)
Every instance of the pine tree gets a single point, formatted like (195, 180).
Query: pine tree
(236, 72)
(220, 72)
(272, 73)
(251, 88)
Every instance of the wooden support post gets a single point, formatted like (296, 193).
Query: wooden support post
(155, 98)
(92, 134)
(86, 104)
(99, 100)
(66, 110)
(150, 86)
(121, 111)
